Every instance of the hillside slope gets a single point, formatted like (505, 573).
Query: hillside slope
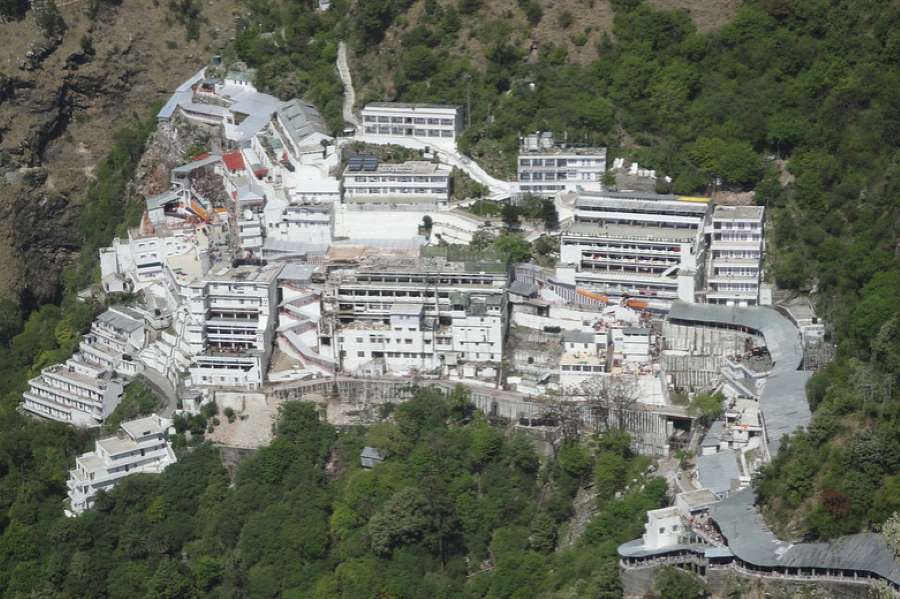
(61, 98)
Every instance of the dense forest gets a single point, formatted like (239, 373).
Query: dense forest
(799, 100)
(457, 509)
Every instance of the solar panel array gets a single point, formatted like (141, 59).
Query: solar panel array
(362, 163)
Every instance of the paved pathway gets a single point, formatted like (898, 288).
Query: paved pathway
(343, 68)
(164, 388)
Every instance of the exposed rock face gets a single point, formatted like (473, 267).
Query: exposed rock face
(61, 99)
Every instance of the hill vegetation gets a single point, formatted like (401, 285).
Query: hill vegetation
(457, 509)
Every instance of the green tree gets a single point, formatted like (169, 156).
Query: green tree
(672, 583)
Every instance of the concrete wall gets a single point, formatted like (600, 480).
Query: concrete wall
(650, 430)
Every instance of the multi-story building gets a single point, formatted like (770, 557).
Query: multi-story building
(366, 181)
(74, 393)
(635, 244)
(115, 338)
(308, 223)
(232, 313)
(439, 124)
(139, 447)
(421, 313)
(547, 167)
(736, 246)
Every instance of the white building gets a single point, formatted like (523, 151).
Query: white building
(584, 357)
(74, 393)
(635, 244)
(232, 329)
(418, 313)
(631, 344)
(663, 528)
(417, 182)
(309, 223)
(546, 167)
(429, 123)
(141, 257)
(115, 338)
(736, 246)
(140, 447)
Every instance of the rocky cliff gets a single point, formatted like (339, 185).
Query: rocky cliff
(63, 92)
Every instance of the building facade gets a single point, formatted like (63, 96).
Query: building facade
(139, 447)
(75, 393)
(546, 167)
(435, 123)
(366, 181)
(736, 248)
(635, 244)
(232, 325)
(422, 314)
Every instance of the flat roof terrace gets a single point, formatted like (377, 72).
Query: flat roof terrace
(633, 232)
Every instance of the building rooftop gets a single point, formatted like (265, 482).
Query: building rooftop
(301, 120)
(783, 399)
(656, 204)
(116, 319)
(245, 273)
(750, 539)
(410, 167)
(410, 105)
(719, 472)
(523, 288)
(578, 337)
(144, 427)
(697, 499)
(754, 213)
(560, 149)
(295, 271)
(713, 436)
(648, 233)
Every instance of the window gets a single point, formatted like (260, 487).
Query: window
(361, 354)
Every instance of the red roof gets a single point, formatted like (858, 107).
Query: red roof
(233, 161)
(201, 156)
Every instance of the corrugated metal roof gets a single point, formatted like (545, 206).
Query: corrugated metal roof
(783, 399)
(751, 540)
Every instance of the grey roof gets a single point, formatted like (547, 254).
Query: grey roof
(371, 452)
(783, 398)
(121, 322)
(578, 337)
(160, 200)
(294, 271)
(636, 548)
(751, 540)
(717, 471)
(713, 435)
(302, 120)
(523, 288)
(142, 427)
(195, 164)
